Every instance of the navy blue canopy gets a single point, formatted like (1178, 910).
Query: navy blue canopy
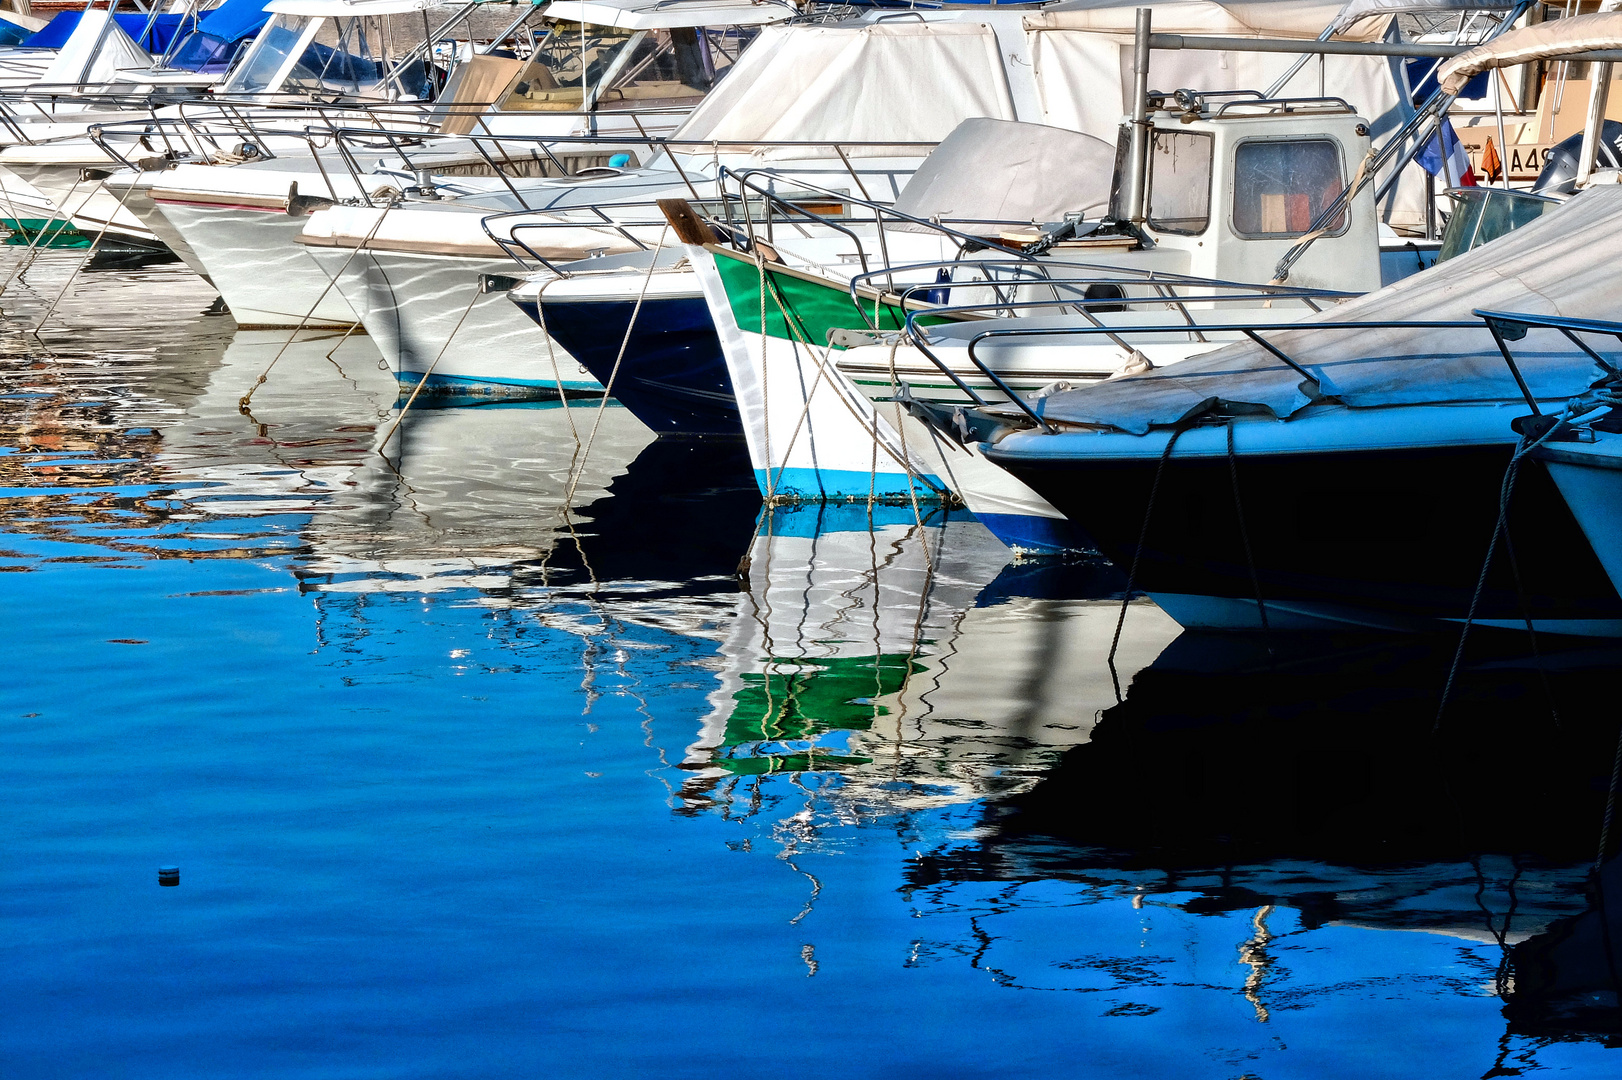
(235, 19)
(154, 39)
(212, 45)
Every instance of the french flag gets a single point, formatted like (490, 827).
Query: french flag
(1445, 157)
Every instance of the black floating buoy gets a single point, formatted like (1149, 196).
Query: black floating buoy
(168, 875)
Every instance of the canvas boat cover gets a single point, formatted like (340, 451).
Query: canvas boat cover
(477, 81)
(1236, 18)
(894, 82)
(1541, 41)
(996, 170)
(1082, 57)
(1358, 10)
(79, 61)
(234, 20)
(664, 14)
(1562, 264)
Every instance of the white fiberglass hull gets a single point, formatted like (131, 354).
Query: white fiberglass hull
(86, 204)
(428, 318)
(252, 256)
(1589, 476)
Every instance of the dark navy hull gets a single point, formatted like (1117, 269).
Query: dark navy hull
(1382, 539)
(673, 376)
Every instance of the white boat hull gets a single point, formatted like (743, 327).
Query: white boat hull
(429, 318)
(252, 256)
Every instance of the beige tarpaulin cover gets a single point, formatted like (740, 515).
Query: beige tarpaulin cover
(1562, 264)
(1562, 37)
(119, 52)
(994, 170)
(898, 82)
(475, 83)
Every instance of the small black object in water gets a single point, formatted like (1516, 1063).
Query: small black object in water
(168, 875)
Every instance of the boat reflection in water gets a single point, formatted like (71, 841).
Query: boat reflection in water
(882, 645)
(1267, 813)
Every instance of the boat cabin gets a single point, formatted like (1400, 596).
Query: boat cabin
(602, 55)
(1236, 180)
(332, 48)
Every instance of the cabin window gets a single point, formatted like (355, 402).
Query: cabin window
(624, 69)
(268, 53)
(1281, 186)
(1180, 181)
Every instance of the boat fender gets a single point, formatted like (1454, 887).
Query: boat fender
(304, 205)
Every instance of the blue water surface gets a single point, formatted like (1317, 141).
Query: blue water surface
(465, 782)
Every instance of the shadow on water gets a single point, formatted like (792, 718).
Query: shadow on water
(1317, 778)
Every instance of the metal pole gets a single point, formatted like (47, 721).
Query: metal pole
(1208, 43)
(1138, 164)
(1597, 99)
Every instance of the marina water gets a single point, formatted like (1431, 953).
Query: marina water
(530, 746)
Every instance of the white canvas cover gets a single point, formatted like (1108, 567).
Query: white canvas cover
(663, 14)
(1003, 171)
(897, 81)
(1542, 41)
(1358, 10)
(1249, 18)
(119, 52)
(1085, 79)
(1562, 264)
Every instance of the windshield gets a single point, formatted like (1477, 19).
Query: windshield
(202, 52)
(267, 54)
(624, 69)
(342, 62)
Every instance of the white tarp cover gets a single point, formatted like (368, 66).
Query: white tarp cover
(662, 14)
(1003, 171)
(1562, 264)
(1541, 41)
(892, 82)
(1357, 10)
(119, 52)
(1085, 79)
(1251, 18)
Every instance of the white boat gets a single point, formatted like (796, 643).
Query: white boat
(236, 223)
(1349, 472)
(799, 92)
(820, 379)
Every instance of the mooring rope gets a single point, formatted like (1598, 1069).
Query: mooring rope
(608, 387)
(1506, 488)
(1137, 554)
(31, 253)
(798, 336)
(552, 355)
(422, 382)
(88, 255)
(246, 400)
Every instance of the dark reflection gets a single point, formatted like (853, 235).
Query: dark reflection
(677, 521)
(1315, 777)
(1566, 981)
(1342, 747)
